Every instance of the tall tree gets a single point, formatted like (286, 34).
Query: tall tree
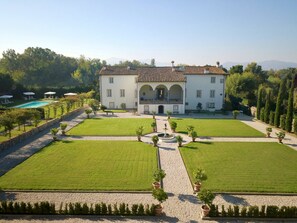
(153, 62)
(237, 69)
(289, 116)
(280, 98)
(259, 102)
(267, 107)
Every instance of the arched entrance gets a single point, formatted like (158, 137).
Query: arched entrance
(160, 109)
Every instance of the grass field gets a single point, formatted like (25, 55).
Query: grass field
(244, 167)
(86, 165)
(112, 126)
(217, 127)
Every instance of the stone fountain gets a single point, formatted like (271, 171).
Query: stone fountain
(165, 137)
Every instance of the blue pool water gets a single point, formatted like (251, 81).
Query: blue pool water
(33, 104)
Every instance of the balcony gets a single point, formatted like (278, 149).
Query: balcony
(159, 101)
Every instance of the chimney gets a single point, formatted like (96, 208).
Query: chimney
(172, 66)
(218, 63)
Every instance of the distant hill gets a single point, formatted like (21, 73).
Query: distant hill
(116, 60)
(266, 65)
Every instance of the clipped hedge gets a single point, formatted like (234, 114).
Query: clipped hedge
(46, 208)
(269, 211)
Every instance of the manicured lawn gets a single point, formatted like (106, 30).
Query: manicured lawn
(112, 126)
(86, 165)
(247, 167)
(217, 127)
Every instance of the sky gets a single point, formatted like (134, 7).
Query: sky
(187, 31)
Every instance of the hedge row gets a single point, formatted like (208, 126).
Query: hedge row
(268, 211)
(46, 208)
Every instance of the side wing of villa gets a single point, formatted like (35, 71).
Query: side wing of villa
(162, 89)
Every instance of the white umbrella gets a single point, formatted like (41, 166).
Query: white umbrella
(70, 94)
(28, 93)
(5, 97)
(50, 93)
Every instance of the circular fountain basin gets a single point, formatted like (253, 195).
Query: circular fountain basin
(167, 138)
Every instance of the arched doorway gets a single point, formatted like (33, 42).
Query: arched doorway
(161, 109)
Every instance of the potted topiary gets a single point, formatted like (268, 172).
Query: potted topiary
(280, 135)
(268, 131)
(158, 175)
(155, 140)
(88, 112)
(207, 197)
(168, 114)
(194, 135)
(235, 113)
(103, 107)
(161, 196)
(63, 127)
(173, 125)
(54, 132)
(139, 132)
(199, 177)
(179, 140)
(190, 129)
(154, 126)
(153, 114)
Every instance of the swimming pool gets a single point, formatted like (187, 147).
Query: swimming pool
(33, 104)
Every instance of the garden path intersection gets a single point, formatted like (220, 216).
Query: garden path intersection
(181, 206)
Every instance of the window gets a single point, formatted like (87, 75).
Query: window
(146, 109)
(222, 81)
(111, 80)
(212, 93)
(122, 93)
(211, 105)
(175, 109)
(108, 92)
(198, 94)
(213, 80)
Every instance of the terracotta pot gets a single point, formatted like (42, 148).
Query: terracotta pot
(205, 210)
(156, 185)
(280, 140)
(268, 134)
(197, 187)
(158, 210)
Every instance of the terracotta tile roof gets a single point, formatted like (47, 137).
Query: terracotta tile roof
(161, 74)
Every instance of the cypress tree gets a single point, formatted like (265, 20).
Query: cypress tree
(289, 117)
(259, 102)
(279, 103)
(295, 125)
(271, 118)
(262, 114)
(267, 108)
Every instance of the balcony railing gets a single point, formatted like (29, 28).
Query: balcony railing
(165, 101)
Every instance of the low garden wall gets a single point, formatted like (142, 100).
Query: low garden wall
(13, 141)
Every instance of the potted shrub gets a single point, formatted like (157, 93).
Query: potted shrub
(161, 196)
(63, 127)
(173, 125)
(139, 132)
(207, 197)
(235, 113)
(158, 176)
(103, 107)
(199, 177)
(268, 131)
(154, 114)
(190, 129)
(155, 140)
(193, 135)
(179, 140)
(54, 132)
(88, 112)
(280, 135)
(168, 114)
(154, 126)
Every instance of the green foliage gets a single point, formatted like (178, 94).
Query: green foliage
(199, 175)
(283, 122)
(281, 134)
(289, 116)
(154, 126)
(179, 140)
(159, 175)
(88, 112)
(54, 132)
(235, 113)
(295, 124)
(271, 118)
(190, 128)
(160, 195)
(173, 125)
(193, 135)
(63, 127)
(155, 140)
(280, 98)
(262, 114)
(267, 108)
(237, 69)
(206, 196)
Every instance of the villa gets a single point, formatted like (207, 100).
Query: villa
(162, 89)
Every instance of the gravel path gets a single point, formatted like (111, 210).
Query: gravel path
(182, 205)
